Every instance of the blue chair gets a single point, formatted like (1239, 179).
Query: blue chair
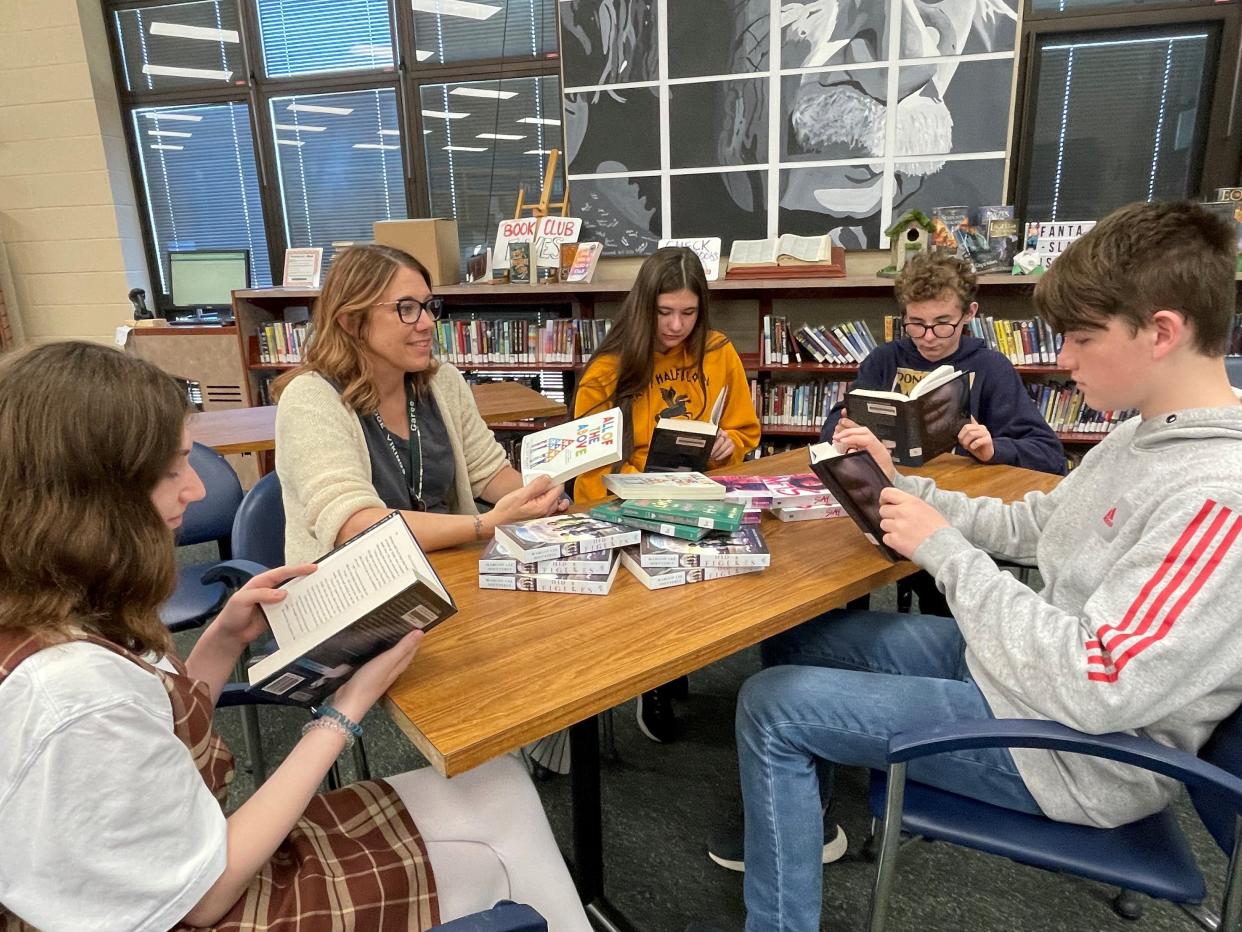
(1233, 368)
(1150, 856)
(197, 597)
(505, 916)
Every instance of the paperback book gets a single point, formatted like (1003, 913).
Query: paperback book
(365, 596)
(572, 448)
(808, 512)
(681, 444)
(690, 485)
(797, 489)
(568, 583)
(751, 491)
(611, 511)
(857, 480)
(743, 548)
(665, 577)
(494, 560)
(712, 515)
(562, 536)
(918, 426)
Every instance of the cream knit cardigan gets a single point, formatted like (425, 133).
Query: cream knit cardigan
(325, 469)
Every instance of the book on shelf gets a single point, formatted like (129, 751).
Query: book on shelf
(1022, 342)
(855, 480)
(946, 222)
(787, 255)
(693, 485)
(680, 444)
(494, 560)
(716, 515)
(562, 536)
(586, 257)
(668, 576)
(365, 596)
(572, 448)
(918, 426)
(802, 404)
(611, 511)
(743, 548)
(568, 583)
(519, 264)
(550, 233)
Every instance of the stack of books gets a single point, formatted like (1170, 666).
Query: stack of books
(659, 562)
(571, 553)
(794, 497)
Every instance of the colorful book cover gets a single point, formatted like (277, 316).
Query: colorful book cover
(808, 512)
(945, 223)
(562, 536)
(611, 511)
(519, 263)
(572, 448)
(715, 516)
(745, 547)
(797, 489)
(749, 490)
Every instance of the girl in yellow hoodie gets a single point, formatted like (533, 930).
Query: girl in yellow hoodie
(662, 359)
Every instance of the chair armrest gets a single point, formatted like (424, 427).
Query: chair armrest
(233, 573)
(235, 694)
(1051, 736)
(503, 917)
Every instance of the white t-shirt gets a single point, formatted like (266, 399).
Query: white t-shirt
(106, 823)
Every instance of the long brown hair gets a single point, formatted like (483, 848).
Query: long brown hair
(86, 433)
(632, 338)
(358, 277)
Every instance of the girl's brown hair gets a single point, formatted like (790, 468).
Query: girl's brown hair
(358, 278)
(86, 433)
(632, 338)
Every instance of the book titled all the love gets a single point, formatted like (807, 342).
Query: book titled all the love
(572, 448)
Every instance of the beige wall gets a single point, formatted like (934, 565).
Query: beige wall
(68, 218)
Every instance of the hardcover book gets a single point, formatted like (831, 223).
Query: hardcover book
(494, 560)
(856, 480)
(562, 536)
(667, 576)
(572, 584)
(681, 444)
(519, 263)
(745, 547)
(713, 515)
(611, 511)
(693, 485)
(572, 448)
(366, 595)
(918, 426)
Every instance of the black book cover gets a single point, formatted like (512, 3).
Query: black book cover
(856, 480)
(918, 428)
(680, 445)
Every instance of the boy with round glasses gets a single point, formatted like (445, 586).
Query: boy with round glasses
(937, 297)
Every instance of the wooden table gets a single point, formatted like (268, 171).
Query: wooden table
(253, 430)
(512, 667)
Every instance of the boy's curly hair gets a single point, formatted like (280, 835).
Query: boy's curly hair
(928, 276)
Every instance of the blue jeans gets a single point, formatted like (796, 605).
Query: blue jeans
(835, 689)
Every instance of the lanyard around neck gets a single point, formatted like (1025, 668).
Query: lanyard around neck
(414, 442)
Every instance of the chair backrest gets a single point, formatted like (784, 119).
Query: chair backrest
(1233, 368)
(1224, 750)
(259, 527)
(211, 518)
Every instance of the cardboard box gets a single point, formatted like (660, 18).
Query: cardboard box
(433, 242)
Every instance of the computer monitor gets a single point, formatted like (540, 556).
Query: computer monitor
(204, 279)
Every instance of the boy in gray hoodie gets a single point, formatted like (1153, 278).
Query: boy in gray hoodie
(1137, 628)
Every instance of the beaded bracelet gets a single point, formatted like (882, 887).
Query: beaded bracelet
(329, 712)
(334, 725)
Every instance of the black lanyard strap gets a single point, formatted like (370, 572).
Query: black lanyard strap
(414, 442)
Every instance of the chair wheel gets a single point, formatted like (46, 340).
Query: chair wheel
(1128, 905)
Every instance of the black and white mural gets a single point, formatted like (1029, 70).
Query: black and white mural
(689, 117)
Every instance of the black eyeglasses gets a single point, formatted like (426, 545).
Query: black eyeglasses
(916, 328)
(410, 309)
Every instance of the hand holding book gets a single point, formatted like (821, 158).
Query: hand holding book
(850, 436)
(907, 521)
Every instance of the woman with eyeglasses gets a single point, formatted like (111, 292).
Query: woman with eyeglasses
(371, 422)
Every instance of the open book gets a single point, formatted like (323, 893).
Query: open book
(918, 426)
(572, 448)
(367, 594)
(855, 480)
(679, 444)
(786, 249)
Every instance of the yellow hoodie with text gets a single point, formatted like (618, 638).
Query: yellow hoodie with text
(675, 391)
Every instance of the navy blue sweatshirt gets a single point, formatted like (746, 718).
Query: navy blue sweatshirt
(998, 399)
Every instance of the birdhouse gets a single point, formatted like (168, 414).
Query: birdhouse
(910, 233)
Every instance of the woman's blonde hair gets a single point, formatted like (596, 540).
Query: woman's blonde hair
(358, 278)
(86, 433)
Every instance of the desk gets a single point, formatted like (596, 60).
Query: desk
(512, 667)
(253, 430)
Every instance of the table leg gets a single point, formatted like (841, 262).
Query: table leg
(588, 828)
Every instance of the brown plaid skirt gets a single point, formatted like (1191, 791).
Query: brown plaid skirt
(354, 861)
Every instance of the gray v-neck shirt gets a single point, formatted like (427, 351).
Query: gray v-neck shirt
(391, 484)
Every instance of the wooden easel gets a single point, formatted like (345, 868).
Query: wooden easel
(545, 196)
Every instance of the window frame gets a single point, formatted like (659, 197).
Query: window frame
(406, 77)
(1222, 124)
